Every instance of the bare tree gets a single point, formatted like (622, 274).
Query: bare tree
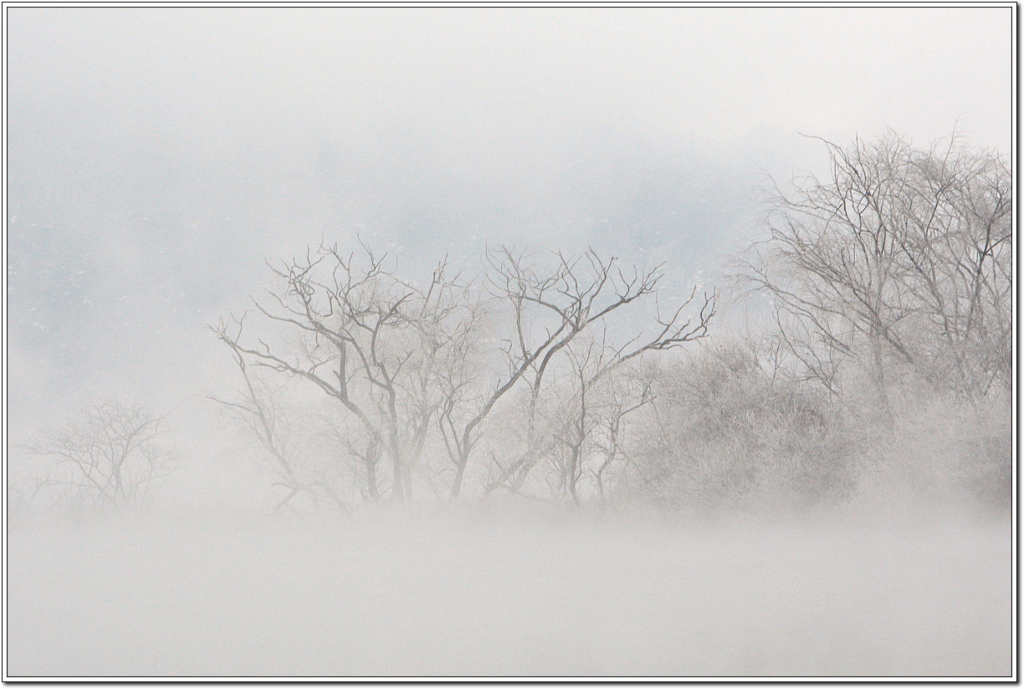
(404, 362)
(109, 456)
(588, 405)
(579, 295)
(259, 409)
(957, 254)
(450, 323)
(625, 394)
(900, 257)
(575, 424)
(366, 339)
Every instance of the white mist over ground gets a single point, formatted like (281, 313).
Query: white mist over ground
(499, 592)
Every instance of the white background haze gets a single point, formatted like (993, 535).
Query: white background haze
(157, 157)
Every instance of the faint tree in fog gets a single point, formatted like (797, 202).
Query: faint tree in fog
(901, 257)
(624, 395)
(958, 261)
(576, 421)
(585, 412)
(108, 456)
(366, 339)
(258, 408)
(409, 365)
(579, 294)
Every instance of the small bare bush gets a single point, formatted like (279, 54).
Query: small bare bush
(108, 456)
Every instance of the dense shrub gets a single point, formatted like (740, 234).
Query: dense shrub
(730, 434)
(945, 451)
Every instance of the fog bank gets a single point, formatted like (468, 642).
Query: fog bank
(505, 594)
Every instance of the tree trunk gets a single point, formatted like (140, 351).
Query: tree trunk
(407, 476)
(528, 463)
(371, 480)
(878, 378)
(398, 490)
(573, 478)
(457, 483)
(402, 492)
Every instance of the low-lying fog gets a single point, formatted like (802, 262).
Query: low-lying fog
(497, 592)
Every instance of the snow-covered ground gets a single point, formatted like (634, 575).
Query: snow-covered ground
(503, 593)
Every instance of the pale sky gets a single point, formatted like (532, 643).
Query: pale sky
(708, 75)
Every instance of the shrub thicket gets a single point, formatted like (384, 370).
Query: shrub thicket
(728, 434)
